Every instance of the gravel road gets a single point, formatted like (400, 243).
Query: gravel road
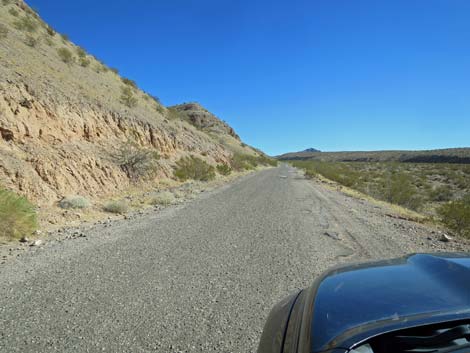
(200, 277)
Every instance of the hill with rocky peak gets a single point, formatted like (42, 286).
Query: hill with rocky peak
(64, 114)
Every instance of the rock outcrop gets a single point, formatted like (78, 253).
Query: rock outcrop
(62, 122)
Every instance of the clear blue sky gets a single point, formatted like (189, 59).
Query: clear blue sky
(287, 75)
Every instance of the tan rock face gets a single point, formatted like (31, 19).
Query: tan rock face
(47, 152)
(61, 123)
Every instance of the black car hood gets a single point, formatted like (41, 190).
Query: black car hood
(388, 294)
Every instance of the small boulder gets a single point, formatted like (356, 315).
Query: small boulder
(445, 238)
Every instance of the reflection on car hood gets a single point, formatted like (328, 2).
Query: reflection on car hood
(387, 292)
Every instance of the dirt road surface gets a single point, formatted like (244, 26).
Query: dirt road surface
(200, 277)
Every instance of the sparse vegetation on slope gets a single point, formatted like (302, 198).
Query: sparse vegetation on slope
(17, 214)
(118, 207)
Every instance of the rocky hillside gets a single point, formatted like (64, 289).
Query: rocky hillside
(64, 115)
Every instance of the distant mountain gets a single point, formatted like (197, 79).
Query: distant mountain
(311, 150)
(449, 155)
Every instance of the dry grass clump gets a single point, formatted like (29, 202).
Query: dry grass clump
(3, 31)
(26, 24)
(118, 207)
(75, 202)
(163, 198)
(127, 97)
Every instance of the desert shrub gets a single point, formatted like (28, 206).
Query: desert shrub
(84, 62)
(194, 168)
(135, 161)
(65, 37)
(127, 97)
(80, 52)
(456, 215)
(3, 31)
(113, 69)
(17, 215)
(30, 41)
(163, 198)
(13, 12)
(399, 189)
(65, 55)
(116, 207)
(27, 24)
(129, 82)
(74, 202)
(224, 169)
(242, 161)
(50, 31)
(6, 2)
(440, 193)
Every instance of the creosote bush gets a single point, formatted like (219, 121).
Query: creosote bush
(113, 69)
(456, 215)
(18, 216)
(65, 37)
(137, 162)
(65, 55)
(127, 97)
(76, 202)
(224, 169)
(194, 168)
(116, 207)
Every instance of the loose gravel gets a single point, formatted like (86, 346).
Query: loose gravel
(198, 277)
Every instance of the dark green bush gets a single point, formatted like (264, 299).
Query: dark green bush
(65, 55)
(137, 162)
(127, 97)
(27, 24)
(194, 168)
(18, 216)
(456, 215)
(224, 169)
